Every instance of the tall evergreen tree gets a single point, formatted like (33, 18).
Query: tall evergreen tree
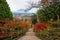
(5, 12)
(34, 19)
(50, 12)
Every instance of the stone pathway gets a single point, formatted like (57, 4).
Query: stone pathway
(30, 35)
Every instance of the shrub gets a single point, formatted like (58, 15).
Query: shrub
(10, 28)
(5, 12)
(40, 26)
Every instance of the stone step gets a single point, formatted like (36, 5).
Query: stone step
(29, 38)
(30, 33)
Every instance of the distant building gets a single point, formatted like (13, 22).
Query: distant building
(24, 17)
(22, 14)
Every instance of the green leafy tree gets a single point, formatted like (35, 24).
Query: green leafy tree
(49, 12)
(5, 12)
(34, 19)
(41, 15)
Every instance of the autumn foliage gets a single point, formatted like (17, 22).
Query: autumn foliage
(8, 27)
(40, 26)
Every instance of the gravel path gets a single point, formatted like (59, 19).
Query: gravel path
(30, 35)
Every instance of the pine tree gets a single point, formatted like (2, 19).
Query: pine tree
(5, 12)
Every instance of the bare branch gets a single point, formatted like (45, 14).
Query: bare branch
(33, 4)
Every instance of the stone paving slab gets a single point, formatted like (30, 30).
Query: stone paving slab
(30, 35)
(29, 38)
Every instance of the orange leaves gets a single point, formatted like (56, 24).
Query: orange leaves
(40, 26)
(12, 22)
(12, 26)
(5, 26)
(23, 24)
(28, 23)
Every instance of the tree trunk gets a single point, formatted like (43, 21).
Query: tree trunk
(58, 19)
(37, 18)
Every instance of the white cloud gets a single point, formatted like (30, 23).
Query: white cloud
(17, 4)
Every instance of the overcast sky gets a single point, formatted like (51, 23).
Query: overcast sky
(19, 4)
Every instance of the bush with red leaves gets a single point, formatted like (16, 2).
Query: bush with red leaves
(40, 26)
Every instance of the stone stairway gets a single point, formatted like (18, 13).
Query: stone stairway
(30, 35)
